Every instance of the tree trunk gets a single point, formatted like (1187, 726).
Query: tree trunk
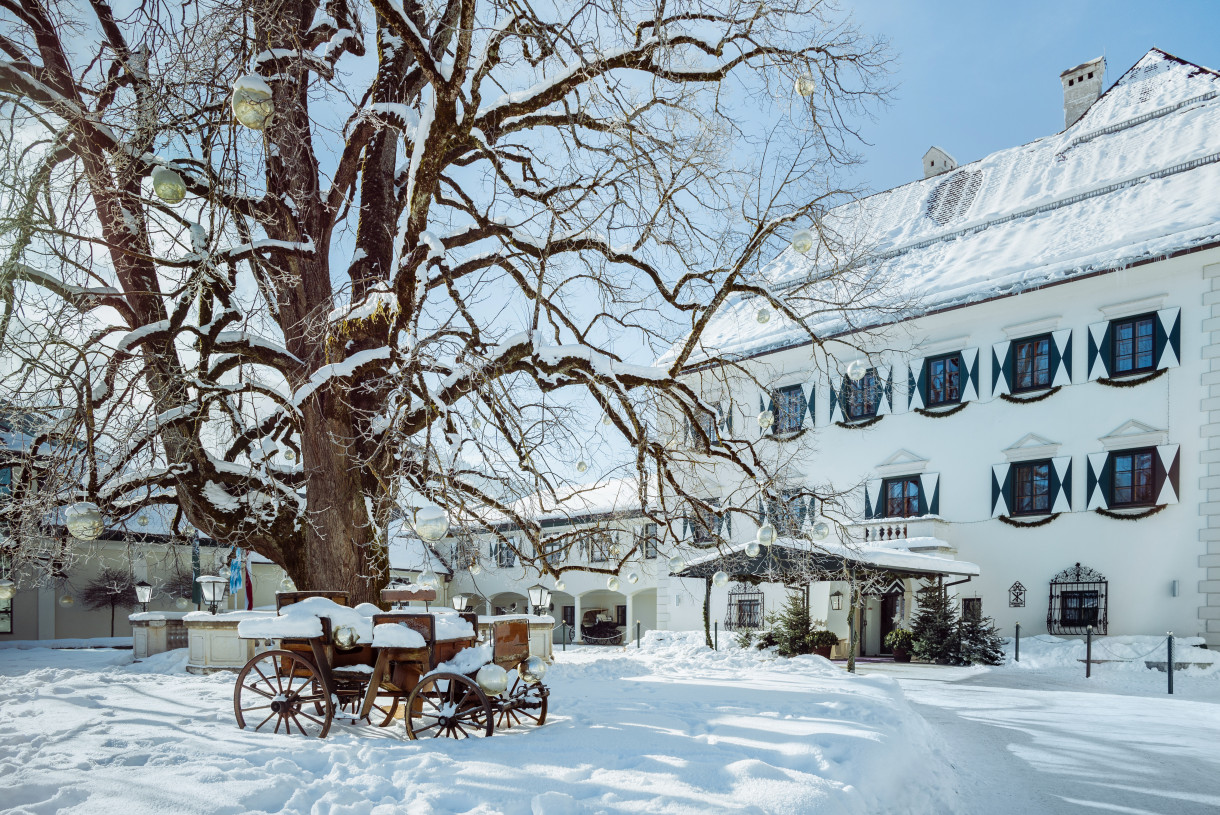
(707, 612)
(112, 620)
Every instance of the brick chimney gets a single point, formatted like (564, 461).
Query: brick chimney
(1081, 87)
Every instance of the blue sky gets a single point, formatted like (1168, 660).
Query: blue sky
(976, 77)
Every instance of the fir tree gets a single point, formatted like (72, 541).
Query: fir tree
(793, 627)
(981, 643)
(935, 627)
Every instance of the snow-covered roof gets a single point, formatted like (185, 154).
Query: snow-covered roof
(896, 555)
(610, 497)
(1137, 177)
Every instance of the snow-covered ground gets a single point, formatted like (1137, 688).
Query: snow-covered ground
(670, 728)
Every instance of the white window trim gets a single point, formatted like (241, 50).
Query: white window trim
(1145, 436)
(1031, 447)
(1129, 308)
(1027, 329)
(936, 349)
(903, 462)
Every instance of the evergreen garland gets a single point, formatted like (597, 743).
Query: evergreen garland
(1111, 382)
(1135, 516)
(1017, 400)
(934, 627)
(1042, 522)
(940, 414)
(858, 425)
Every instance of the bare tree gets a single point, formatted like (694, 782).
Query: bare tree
(446, 219)
(112, 588)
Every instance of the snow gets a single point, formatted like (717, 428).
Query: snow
(466, 661)
(303, 620)
(450, 626)
(670, 728)
(251, 82)
(1125, 653)
(339, 370)
(1135, 179)
(396, 635)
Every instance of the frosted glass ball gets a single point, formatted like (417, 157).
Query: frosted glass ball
(805, 85)
(67, 601)
(532, 670)
(182, 603)
(753, 549)
(720, 578)
(676, 563)
(168, 185)
(802, 241)
(606, 420)
(84, 521)
(581, 466)
(856, 370)
(615, 550)
(142, 520)
(492, 679)
(766, 419)
(766, 534)
(821, 531)
(431, 523)
(287, 584)
(252, 104)
(633, 577)
(475, 567)
(289, 455)
(763, 316)
(612, 584)
(560, 585)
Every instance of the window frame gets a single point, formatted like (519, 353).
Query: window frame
(1017, 468)
(788, 421)
(1112, 497)
(784, 513)
(903, 479)
(956, 399)
(554, 549)
(651, 542)
(1016, 374)
(6, 606)
(856, 395)
(503, 555)
(1077, 620)
(1134, 322)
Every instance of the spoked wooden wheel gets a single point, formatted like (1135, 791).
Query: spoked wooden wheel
(527, 703)
(381, 715)
(449, 705)
(274, 688)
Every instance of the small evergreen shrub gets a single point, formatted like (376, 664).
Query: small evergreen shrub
(821, 638)
(934, 627)
(981, 643)
(899, 638)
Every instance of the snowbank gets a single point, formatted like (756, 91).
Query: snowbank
(1124, 653)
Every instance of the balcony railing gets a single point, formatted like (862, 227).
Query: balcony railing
(898, 529)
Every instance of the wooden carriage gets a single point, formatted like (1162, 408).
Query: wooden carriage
(434, 687)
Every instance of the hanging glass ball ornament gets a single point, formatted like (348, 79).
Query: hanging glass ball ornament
(532, 670)
(766, 419)
(492, 679)
(475, 567)
(676, 563)
(581, 466)
(168, 185)
(805, 85)
(252, 104)
(753, 549)
(142, 519)
(606, 420)
(612, 584)
(763, 316)
(289, 455)
(560, 585)
(84, 521)
(720, 578)
(428, 580)
(287, 584)
(766, 534)
(856, 370)
(802, 241)
(633, 577)
(821, 531)
(477, 423)
(616, 550)
(182, 603)
(431, 523)
(67, 601)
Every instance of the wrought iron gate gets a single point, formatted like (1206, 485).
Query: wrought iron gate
(745, 608)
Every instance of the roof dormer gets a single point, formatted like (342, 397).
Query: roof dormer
(937, 161)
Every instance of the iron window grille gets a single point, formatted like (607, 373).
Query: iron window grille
(944, 379)
(1031, 488)
(1031, 363)
(745, 608)
(1132, 482)
(790, 407)
(901, 497)
(1079, 599)
(863, 396)
(1133, 344)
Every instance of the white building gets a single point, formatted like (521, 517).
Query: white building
(1051, 412)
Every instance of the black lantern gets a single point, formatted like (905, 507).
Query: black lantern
(540, 597)
(143, 594)
(212, 588)
(836, 601)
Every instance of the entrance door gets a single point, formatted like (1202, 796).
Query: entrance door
(889, 610)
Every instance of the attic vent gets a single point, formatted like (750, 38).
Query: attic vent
(952, 197)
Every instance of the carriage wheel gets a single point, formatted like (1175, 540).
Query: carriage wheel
(532, 695)
(450, 705)
(275, 687)
(382, 714)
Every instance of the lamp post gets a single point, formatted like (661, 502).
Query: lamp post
(460, 602)
(836, 601)
(540, 597)
(143, 594)
(213, 590)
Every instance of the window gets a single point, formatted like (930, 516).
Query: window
(1134, 341)
(1031, 488)
(789, 409)
(944, 380)
(745, 608)
(649, 545)
(787, 513)
(598, 546)
(862, 396)
(503, 555)
(6, 606)
(1132, 485)
(972, 608)
(707, 422)
(705, 523)
(901, 497)
(569, 617)
(555, 549)
(6, 481)
(1080, 608)
(620, 615)
(1032, 363)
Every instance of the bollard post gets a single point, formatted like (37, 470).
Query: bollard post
(637, 634)
(563, 638)
(1017, 646)
(1088, 652)
(1169, 643)
(716, 641)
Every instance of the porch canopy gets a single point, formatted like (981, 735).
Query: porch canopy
(793, 560)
